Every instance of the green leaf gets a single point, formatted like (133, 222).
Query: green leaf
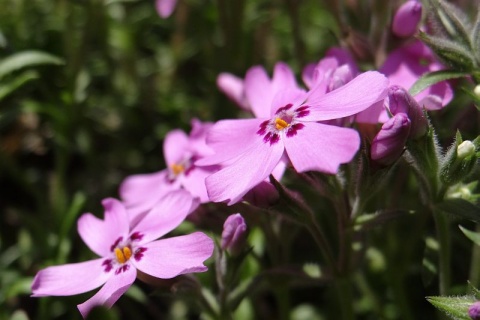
(460, 208)
(454, 21)
(26, 59)
(455, 307)
(432, 78)
(17, 82)
(474, 236)
(452, 53)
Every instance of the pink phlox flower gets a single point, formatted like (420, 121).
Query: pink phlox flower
(233, 87)
(140, 192)
(250, 149)
(123, 250)
(165, 7)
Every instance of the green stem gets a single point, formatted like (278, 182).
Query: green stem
(475, 263)
(322, 243)
(343, 291)
(443, 235)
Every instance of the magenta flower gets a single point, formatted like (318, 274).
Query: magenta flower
(251, 148)
(141, 192)
(474, 311)
(124, 250)
(165, 7)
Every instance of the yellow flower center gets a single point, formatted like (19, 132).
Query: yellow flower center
(281, 124)
(123, 254)
(177, 168)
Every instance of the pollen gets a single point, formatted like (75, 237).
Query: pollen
(177, 168)
(280, 124)
(123, 254)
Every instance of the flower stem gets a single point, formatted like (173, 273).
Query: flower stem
(443, 235)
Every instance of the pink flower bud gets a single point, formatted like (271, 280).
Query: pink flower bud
(389, 143)
(406, 19)
(400, 101)
(474, 311)
(234, 233)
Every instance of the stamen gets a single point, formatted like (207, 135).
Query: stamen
(280, 124)
(177, 168)
(123, 254)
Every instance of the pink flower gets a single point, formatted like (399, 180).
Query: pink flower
(165, 7)
(233, 87)
(123, 250)
(251, 148)
(406, 18)
(141, 192)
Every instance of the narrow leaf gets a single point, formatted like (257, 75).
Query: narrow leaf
(26, 59)
(431, 78)
(461, 208)
(455, 307)
(12, 85)
(474, 236)
(452, 53)
(453, 21)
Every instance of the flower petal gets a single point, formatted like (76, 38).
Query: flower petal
(227, 138)
(69, 279)
(176, 147)
(165, 216)
(283, 78)
(258, 91)
(233, 87)
(194, 182)
(245, 172)
(353, 97)
(99, 234)
(321, 147)
(165, 7)
(171, 257)
(140, 192)
(113, 289)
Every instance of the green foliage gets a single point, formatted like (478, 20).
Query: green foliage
(455, 307)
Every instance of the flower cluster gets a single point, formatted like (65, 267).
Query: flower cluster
(310, 127)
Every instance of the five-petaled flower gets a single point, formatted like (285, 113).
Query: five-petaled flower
(249, 149)
(124, 249)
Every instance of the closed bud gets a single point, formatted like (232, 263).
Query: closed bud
(406, 19)
(400, 101)
(474, 311)
(389, 143)
(465, 149)
(234, 234)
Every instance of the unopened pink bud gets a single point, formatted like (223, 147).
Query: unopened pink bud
(474, 311)
(234, 233)
(407, 18)
(400, 101)
(262, 195)
(389, 143)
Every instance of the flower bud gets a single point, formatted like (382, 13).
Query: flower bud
(465, 149)
(406, 19)
(400, 101)
(474, 311)
(389, 143)
(234, 234)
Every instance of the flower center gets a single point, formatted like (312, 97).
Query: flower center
(177, 168)
(122, 250)
(285, 120)
(123, 254)
(280, 124)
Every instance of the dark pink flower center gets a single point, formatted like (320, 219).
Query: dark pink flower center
(122, 251)
(183, 167)
(284, 120)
